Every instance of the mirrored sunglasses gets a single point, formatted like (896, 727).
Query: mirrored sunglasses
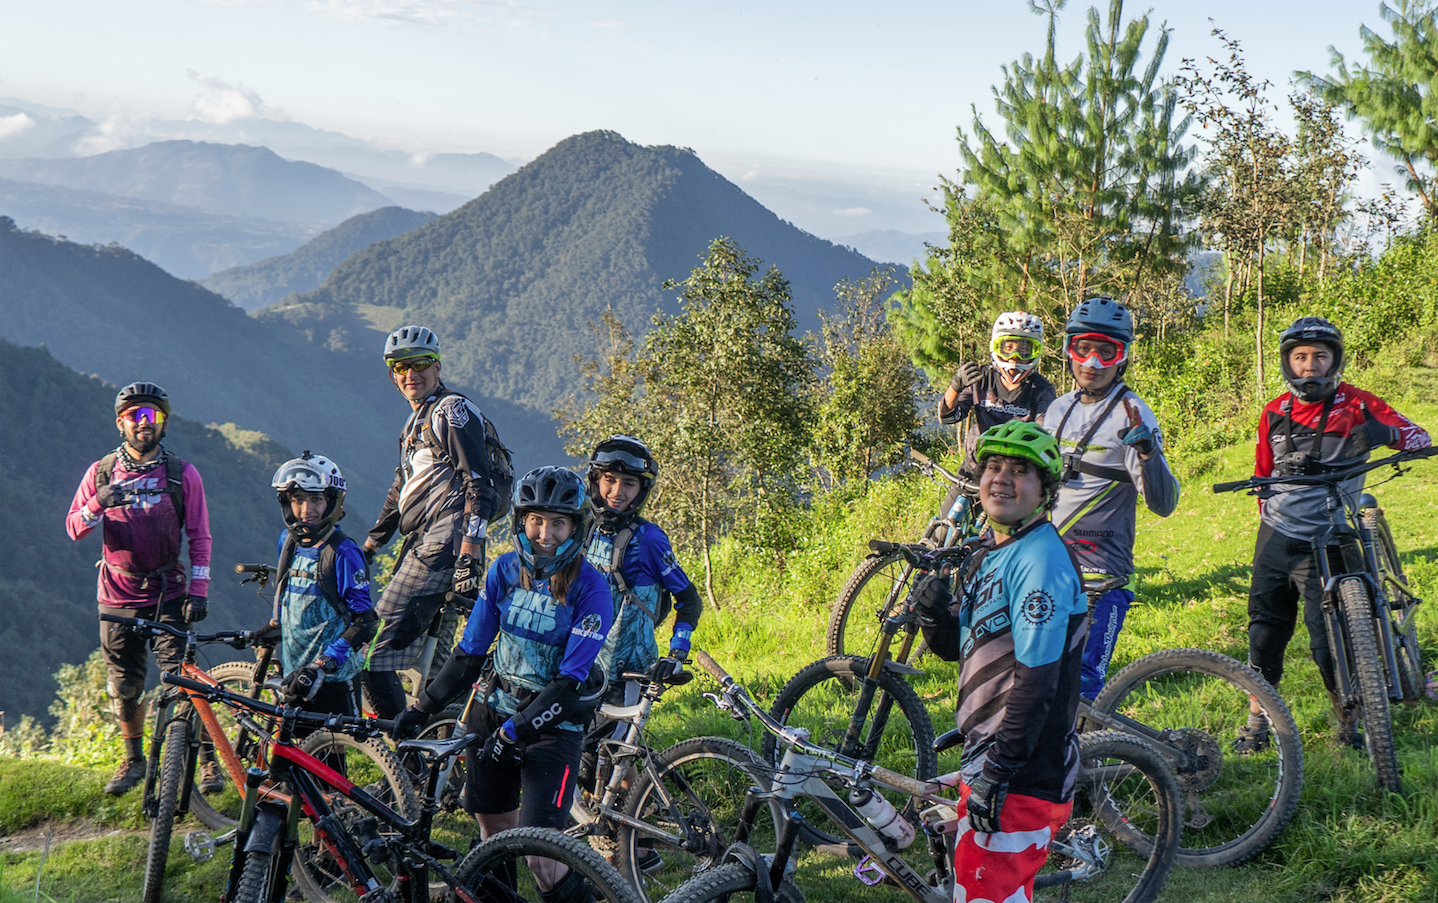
(1100, 351)
(417, 364)
(144, 415)
(1023, 348)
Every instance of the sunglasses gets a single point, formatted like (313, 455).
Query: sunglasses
(1025, 349)
(417, 364)
(1099, 351)
(144, 415)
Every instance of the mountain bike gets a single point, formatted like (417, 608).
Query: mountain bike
(1186, 703)
(1124, 788)
(1368, 606)
(881, 581)
(376, 852)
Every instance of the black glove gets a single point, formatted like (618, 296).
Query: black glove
(1376, 431)
(967, 374)
(466, 578)
(409, 723)
(932, 599)
(196, 608)
(662, 670)
(302, 684)
(268, 635)
(501, 751)
(986, 801)
(369, 553)
(112, 496)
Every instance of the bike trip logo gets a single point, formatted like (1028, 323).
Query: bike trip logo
(589, 628)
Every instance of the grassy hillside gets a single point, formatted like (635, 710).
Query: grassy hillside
(304, 268)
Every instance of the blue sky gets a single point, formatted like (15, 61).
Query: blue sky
(864, 94)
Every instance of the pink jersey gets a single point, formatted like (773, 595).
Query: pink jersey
(142, 539)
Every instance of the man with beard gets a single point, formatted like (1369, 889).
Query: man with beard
(144, 498)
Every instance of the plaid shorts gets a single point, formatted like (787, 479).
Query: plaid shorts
(413, 595)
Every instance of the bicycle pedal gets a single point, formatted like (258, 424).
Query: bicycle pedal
(200, 845)
(868, 872)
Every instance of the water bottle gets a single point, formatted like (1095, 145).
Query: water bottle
(882, 816)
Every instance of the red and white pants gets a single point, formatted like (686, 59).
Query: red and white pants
(1000, 868)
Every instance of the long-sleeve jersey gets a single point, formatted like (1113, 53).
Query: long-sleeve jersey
(1288, 426)
(649, 570)
(539, 639)
(143, 538)
(439, 497)
(309, 624)
(1097, 508)
(1018, 630)
(994, 403)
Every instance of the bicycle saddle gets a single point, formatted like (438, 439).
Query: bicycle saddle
(439, 749)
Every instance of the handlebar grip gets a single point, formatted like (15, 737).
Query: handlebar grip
(709, 665)
(116, 619)
(251, 568)
(882, 547)
(1230, 487)
(920, 456)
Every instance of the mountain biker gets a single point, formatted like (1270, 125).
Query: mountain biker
(1018, 631)
(1319, 423)
(322, 603)
(1113, 450)
(550, 610)
(147, 502)
(444, 493)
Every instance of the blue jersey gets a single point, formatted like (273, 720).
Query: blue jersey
(309, 624)
(539, 639)
(649, 571)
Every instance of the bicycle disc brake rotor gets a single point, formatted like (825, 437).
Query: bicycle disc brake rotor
(1207, 758)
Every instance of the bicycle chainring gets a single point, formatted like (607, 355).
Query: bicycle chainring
(1206, 758)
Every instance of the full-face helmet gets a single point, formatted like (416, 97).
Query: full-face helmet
(553, 490)
(1312, 331)
(310, 473)
(1028, 330)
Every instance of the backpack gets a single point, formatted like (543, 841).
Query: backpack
(329, 583)
(627, 595)
(174, 479)
(501, 461)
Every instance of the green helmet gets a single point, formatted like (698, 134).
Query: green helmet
(1021, 439)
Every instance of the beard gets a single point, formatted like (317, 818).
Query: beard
(144, 444)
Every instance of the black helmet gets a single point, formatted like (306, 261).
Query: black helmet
(142, 393)
(1312, 331)
(620, 454)
(311, 473)
(555, 490)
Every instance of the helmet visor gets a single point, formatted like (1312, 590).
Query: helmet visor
(298, 476)
(1014, 348)
(1096, 351)
(143, 414)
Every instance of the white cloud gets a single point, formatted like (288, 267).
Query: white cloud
(459, 15)
(223, 102)
(750, 176)
(853, 211)
(117, 131)
(10, 126)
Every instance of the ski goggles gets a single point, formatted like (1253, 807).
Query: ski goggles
(1098, 351)
(616, 459)
(143, 414)
(417, 364)
(1015, 348)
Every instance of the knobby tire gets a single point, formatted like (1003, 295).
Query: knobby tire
(1412, 674)
(1368, 673)
(728, 881)
(493, 856)
(254, 878)
(219, 811)
(172, 778)
(860, 608)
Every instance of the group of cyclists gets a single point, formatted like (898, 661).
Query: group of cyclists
(577, 603)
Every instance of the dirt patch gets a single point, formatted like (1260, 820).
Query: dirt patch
(32, 840)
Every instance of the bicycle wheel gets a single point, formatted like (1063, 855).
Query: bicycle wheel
(172, 779)
(1367, 670)
(1126, 792)
(371, 765)
(499, 869)
(896, 734)
(874, 590)
(1196, 701)
(727, 881)
(1400, 603)
(255, 878)
(220, 810)
(701, 785)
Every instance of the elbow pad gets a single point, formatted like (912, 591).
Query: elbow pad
(457, 675)
(554, 704)
(362, 629)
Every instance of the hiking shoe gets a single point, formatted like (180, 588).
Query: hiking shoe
(1252, 740)
(212, 777)
(127, 775)
(648, 862)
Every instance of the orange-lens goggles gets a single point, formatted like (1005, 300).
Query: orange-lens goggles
(144, 415)
(1099, 350)
(417, 364)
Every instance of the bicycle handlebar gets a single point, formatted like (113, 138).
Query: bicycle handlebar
(239, 639)
(348, 724)
(920, 555)
(252, 568)
(1336, 475)
(931, 467)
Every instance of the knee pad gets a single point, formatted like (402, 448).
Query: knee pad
(570, 889)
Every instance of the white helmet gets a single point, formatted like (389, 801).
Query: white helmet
(310, 473)
(410, 341)
(1017, 324)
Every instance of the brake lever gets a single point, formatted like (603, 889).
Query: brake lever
(724, 704)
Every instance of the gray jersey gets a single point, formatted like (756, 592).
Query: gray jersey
(1096, 513)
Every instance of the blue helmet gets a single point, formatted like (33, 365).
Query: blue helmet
(554, 490)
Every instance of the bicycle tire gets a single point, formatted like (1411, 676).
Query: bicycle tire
(728, 881)
(860, 608)
(172, 778)
(822, 698)
(219, 811)
(255, 878)
(370, 764)
(514, 845)
(1368, 672)
(1412, 674)
(1198, 700)
(1125, 792)
(708, 778)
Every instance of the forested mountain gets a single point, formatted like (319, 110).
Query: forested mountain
(510, 280)
(186, 241)
(56, 423)
(267, 281)
(226, 178)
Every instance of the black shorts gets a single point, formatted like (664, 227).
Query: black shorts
(127, 655)
(541, 789)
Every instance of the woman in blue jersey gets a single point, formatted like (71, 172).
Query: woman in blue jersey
(1018, 631)
(550, 610)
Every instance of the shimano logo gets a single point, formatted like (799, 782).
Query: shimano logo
(546, 716)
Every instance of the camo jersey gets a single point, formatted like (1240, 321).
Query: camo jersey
(1096, 512)
(539, 639)
(994, 403)
(650, 570)
(309, 625)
